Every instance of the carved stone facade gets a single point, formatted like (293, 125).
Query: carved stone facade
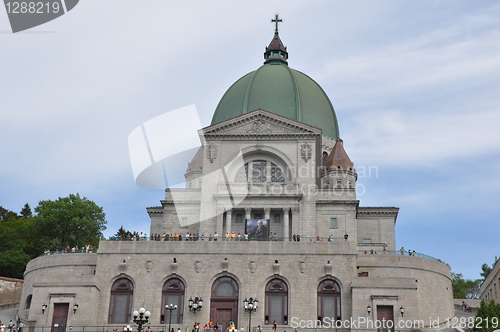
(323, 245)
(322, 256)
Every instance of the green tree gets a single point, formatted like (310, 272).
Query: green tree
(465, 288)
(486, 270)
(458, 286)
(68, 222)
(26, 211)
(14, 239)
(6, 214)
(487, 316)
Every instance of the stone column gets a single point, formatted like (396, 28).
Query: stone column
(248, 213)
(268, 172)
(286, 230)
(295, 222)
(229, 214)
(267, 213)
(220, 221)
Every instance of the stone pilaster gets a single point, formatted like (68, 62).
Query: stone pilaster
(286, 226)
(229, 214)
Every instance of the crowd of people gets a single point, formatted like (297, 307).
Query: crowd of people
(85, 249)
(12, 326)
(195, 237)
(233, 236)
(403, 252)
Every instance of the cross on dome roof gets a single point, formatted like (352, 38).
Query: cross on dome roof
(276, 51)
(277, 20)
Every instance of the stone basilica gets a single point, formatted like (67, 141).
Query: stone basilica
(271, 166)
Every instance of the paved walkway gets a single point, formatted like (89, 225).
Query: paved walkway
(7, 314)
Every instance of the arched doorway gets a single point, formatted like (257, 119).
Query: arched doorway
(224, 302)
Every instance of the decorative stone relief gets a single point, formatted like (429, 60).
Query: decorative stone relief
(197, 266)
(306, 151)
(295, 210)
(252, 266)
(328, 268)
(149, 266)
(302, 267)
(123, 267)
(326, 147)
(173, 268)
(225, 265)
(259, 127)
(276, 267)
(211, 152)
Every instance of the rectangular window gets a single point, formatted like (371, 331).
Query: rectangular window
(277, 218)
(239, 218)
(257, 216)
(184, 222)
(199, 183)
(333, 223)
(339, 183)
(367, 240)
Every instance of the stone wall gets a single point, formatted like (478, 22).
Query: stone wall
(421, 285)
(10, 290)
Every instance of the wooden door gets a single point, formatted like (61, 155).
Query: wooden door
(60, 317)
(385, 317)
(222, 317)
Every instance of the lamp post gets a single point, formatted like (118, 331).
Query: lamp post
(170, 308)
(195, 305)
(250, 305)
(141, 317)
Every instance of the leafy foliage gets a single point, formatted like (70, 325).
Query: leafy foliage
(487, 315)
(26, 211)
(68, 222)
(14, 239)
(465, 288)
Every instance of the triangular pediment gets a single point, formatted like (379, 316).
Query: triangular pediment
(260, 123)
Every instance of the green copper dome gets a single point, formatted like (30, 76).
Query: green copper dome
(279, 89)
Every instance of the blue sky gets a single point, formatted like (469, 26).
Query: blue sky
(415, 85)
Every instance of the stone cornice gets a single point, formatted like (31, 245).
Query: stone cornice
(296, 196)
(299, 129)
(164, 202)
(333, 202)
(266, 136)
(378, 212)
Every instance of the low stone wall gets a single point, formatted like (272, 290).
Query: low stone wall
(10, 291)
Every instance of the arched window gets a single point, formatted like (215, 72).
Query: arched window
(242, 175)
(172, 293)
(276, 302)
(329, 300)
(259, 173)
(28, 302)
(225, 287)
(120, 304)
